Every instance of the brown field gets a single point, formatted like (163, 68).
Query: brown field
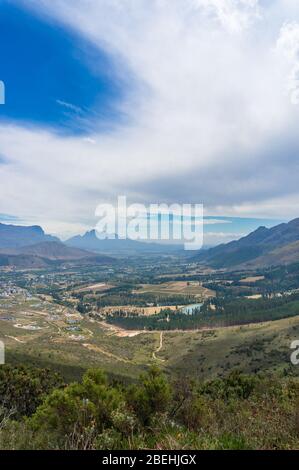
(252, 279)
(176, 288)
(101, 287)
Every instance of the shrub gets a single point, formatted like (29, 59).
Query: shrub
(151, 396)
(23, 388)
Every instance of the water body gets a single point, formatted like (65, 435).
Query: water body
(190, 309)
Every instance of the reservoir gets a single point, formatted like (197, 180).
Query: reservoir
(190, 309)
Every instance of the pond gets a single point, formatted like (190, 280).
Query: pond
(190, 309)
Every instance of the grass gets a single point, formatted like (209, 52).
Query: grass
(249, 348)
(201, 354)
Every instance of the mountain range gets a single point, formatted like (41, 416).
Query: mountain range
(30, 247)
(263, 247)
(90, 241)
(51, 250)
(15, 236)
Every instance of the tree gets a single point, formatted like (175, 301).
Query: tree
(23, 388)
(151, 396)
(79, 412)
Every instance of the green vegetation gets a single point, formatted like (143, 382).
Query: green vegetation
(273, 280)
(211, 352)
(23, 388)
(236, 412)
(142, 300)
(225, 312)
(62, 332)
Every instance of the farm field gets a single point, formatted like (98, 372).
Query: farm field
(177, 288)
(252, 279)
(99, 287)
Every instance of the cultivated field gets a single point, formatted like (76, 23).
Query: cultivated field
(252, 279)
(176, 288)
(99, 287)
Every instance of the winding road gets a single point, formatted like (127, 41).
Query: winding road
(159, 349)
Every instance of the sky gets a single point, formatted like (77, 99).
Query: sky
(163, 101)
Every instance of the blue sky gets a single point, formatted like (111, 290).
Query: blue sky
(54, 77)
(181, 101)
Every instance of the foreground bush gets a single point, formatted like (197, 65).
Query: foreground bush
(237, 412)
(23, 388)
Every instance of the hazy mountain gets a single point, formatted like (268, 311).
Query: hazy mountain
(23, 261)
(14, 236)
(91, 242)
(47, 254)
(262, 247)
(54, 251)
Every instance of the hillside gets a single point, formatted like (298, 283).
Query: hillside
(208, 353)
(54, 251)
(46, 254)
(287, 254)
(263, 247)
(23, 261)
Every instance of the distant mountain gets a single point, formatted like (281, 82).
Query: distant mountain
(23, 261)
(46, 254)
(91, 242)
(263, 247)
(54, 251)
(14, 236)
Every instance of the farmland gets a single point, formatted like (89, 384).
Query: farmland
(40, 333)
(177, 288)
(69, 320)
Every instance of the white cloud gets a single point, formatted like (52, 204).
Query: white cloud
(234, 15)
(69, 106)
(288, 40)
(288, 44)
(207, 117)
(216, 221)
(215, 238)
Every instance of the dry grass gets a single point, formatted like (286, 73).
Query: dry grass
(176, 288)
(252, 279)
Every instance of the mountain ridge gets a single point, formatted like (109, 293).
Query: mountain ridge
(90, 241)
(15, 236)
(51, 250)
(47, 254)
(263, 246)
